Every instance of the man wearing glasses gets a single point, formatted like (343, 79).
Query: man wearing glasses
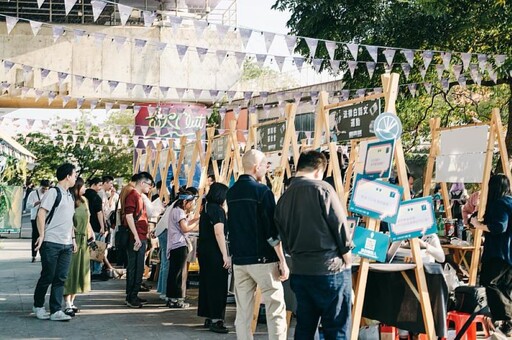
(135, 217)
(33, 202)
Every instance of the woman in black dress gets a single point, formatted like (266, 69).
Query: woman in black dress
(214, 261)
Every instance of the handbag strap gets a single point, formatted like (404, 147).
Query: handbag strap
(468, 322)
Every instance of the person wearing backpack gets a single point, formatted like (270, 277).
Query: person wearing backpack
(33, 202)
(313, 227)
(56, 243)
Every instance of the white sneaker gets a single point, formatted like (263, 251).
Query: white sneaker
(41, 313)
(164, 297)
(60, 316)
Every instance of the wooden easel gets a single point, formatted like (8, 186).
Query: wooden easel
(170, 160)
(495, 135)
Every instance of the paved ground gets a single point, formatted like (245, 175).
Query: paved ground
(103, 314)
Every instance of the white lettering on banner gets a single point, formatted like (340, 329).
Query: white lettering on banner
(183, 124)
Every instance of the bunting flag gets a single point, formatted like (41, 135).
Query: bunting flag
(149, 18)
(182, 50)
(99, 37)
(124, 13)
(222, 112)
(93, 103)
(373, 52)
(108, 106)
(147, 89)
(370, 67)
(221, 55)
(389, 54)
(280, 62)
(230, 95)
(317, 64)
(40, 3)
(119, 41)
(39, 94)
(335, 66)
(457, 69)
(236, 111)
(214, 94)
(35, 26)
(122, 107)
(112, 84)
(61, 77)
(440, 71)
(263, 96)
(499, 59)
(353, 49)
(151, 110)
(68, 5)
(299, 62)
(290, 41)
(176, 23)
(247, 95)
(245, 35)
(160, 47)
(266, 110)
(269, 39)
(79, 80)
(79, 103)
(330, 46)
(51, 97)
(164, 90)
(428, 87)
(27, 73)
(281, 108)
(446, 57)
(180, 92)
(445, 84)
(423, 72)
(10, 22)
(129, 88)
(466, 59)
(240, 57)
(412, 89)
(312, 45)
(58, 31)
(24, 91)
(352, 64)
(297, 96)
(201, 53)
(260, 59)
(97, 8)
(407, 70)
(96, 83)
(139, 44)
(314, 96)
(222, 30)
(197, 93)
(65, 100)
(78, 34)
(200, 26)
(409, 57)
(136, 109)
(427, 58)
(482, 62)
(360, 93)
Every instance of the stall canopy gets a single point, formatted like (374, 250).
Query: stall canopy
(12, 148)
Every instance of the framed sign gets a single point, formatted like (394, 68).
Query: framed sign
(379, 157)
(219, 147)
(355, 121)
(375, 199)
(415, 218)
(271, 137)
(370, 244)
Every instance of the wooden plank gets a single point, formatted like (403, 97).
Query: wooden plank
(353, 101)
(156, 163)
(252, 138)
(193, 162)
(320, 123)
(505, 164)
(434, 149)
(270, 122)
(183, 142)
(136, 167)
(354, 154)
(149, 155)
(289, 136)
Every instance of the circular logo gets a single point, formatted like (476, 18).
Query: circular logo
(387, 126)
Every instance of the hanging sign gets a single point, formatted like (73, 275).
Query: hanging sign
(370, 244)
(355, 121)
(415, 218)
(375, 199)
(379, 157)
(219, 147)
(388, 126)
(271, 137)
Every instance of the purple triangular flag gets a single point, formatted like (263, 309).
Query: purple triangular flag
(65, 100)
(335, 66)
(220, 56)
(290, 41)
(79, 102)
(147, 89)
(164, 90)
(412, 88)
(200, 26)
(197, 93)
(78, 34)
(240, 56)
(445, 84)
(389, 54)
(99, 37)
(330, 46)
(140, 44)
(299, 62)
(201, 53)
(79, 80)
(36, 26)
(423, 72)
(182, 50)
(466, 59)
(58, 31)
(360, 93)
(482, 62)
(214, 94)
(112, 84)
(373, 52)
(353, 49)
(51, 97)
(446, 57)
(149, 18)
(280, 97)
(269, 39)
(439, 70)
(260, 59)
(222, 112)
(297, 96)
(428, 87)
(93, 103)
(222, 30)
(499, 59)
(96, 83)
(317, 64)
(352, 64)
(345, 94)
(230, 95)
(61, 76)
(245, 35)
(180, 92)
(312, 45)
(129, 88)
(409, 57)
(160, 47)
(457, 69)
(266, 110)
(119, 41)
(370, 67)
(39, 93)
(407, 70)
(263, 96)
(175, 22)
(247, 95)
(279, 62)
(427, 58)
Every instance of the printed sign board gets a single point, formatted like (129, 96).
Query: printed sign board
(379, 158)
(355, 121)
(415, 218)
(219, 144)
(370, 244)
(271, 137)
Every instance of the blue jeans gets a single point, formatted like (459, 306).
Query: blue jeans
(164, 264)
(134, 270)
(326, 297)
(55, 260)
(95, 265)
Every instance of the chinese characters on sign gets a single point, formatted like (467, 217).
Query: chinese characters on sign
(355, 121)
(379, 158)
(271, 137)
(370, 244)
(415, 218)
(219, 147)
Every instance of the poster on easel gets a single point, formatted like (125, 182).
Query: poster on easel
(415, 219)
(370, 244)
(379, 159)
(219, 144)
(271, 137)
(375, 199)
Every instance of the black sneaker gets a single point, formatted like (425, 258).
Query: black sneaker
(134, 303)
(177, 304)
(218, 327)
(506, 328)
(70, 312)
(142, 301)
(207, 323)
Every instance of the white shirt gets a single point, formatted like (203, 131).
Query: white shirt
(33, 197)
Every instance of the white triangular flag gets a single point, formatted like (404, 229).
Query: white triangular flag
(423, 72)
(65, 100)
(164, 90)
(61, 76)
(96, 83)
(466, 59)
(108, 106)
(447, 57)
(290, 41)
(136, 109)
(24, 91)
(269, 39)
(354, 49)
(124, 13)
(180, 92)
(140, 44)
(36, 26)
(260, 59)
(473, 72)
(409, 57)
(10, 22)
(297, 96)
(352, 64)
(428, 87)
(119, 41)
(27, 72)
(51, 97)
(312, 45)
(331, 48)
(245, 35)
(39, 93)
(99, 37)
(214, 94)
(222, 30)
(279, 62)
(230, 95)
(299, 62)
(129, 88)
(335, 66)
(160, 47)
(499, 59)
(79, 103)
(457, 69)
(182, 50)
(482, 62)
(122, 107)
(412, 88)
(79, 80)
(200, 26)
(492, 74)
(370, 67)
(58, 31)
(240, 56)
(222, 112)
(68, 5)
(445, 84)
(236, 111)
(373, 52)
(389, 54)
(221, 55)
(40, 3)
(201, 53)
(360, 93)
(149, 18)
(78, 34)
(197, 93)
(439, 70)
(93, 103)
(97, 8)
(263, 96)
(427, 58)
(407, 70)
(176, 23)
(317, 64)
(112, 84)
(147, 89)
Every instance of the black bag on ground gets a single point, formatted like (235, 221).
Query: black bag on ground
(468, 299)
(122, 237)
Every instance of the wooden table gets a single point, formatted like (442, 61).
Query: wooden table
(459, 253)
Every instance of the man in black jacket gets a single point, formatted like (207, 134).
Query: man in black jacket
(257, 255)
(312, 224)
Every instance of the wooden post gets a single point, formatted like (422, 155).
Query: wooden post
(183, 142)
(321, 120)
(136, 167)
(156, 162)
(149, 155)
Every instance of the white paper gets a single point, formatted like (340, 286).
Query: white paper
(377, 197)
(456, 141)
(466, 168)
(413, 217)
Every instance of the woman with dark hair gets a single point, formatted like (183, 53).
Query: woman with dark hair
(178, 248)
(79, 276)
(496, 273)
(214, 260)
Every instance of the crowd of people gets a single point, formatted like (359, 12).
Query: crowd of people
(241, 230)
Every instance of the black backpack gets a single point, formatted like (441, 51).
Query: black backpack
(55, 205)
